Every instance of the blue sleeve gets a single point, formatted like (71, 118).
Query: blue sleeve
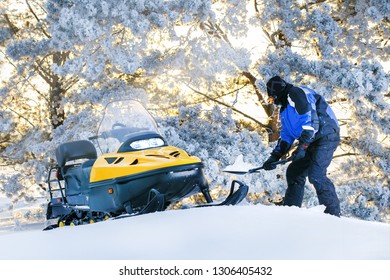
(293, 123)
(285, 136)
(308, 130)
(304, 104)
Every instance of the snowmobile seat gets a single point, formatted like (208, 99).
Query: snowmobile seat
(76, 176)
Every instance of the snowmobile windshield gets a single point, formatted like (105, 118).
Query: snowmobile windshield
(123, 120)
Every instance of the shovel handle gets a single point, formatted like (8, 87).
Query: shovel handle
(283, 161)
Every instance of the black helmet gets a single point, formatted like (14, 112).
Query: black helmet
(276, 87)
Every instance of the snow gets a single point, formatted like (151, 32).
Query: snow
(218, 233)
(239, 165)
(294, 242)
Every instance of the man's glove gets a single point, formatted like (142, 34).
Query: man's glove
(268, 163)
(299, 153)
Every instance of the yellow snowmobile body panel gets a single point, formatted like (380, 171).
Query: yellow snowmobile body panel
(115, 165)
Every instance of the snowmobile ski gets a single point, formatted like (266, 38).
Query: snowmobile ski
(157, 201)
(234, 197)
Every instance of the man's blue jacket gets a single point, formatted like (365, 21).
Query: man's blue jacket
(305, 116)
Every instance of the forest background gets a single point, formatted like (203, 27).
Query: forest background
(200, 67)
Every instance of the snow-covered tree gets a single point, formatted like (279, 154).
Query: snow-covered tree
(75, 46)
(166, 47)
(339, 48)
(67, 58)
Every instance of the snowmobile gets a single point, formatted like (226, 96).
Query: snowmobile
(137, 172)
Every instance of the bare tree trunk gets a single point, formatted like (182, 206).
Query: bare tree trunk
(56, 111)
(215, 31)
(57, 91)
(269, 109)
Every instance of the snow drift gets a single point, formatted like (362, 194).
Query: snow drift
(221, 233)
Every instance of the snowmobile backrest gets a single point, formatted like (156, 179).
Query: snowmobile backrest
(82, 149)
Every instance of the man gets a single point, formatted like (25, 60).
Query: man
(305, 116)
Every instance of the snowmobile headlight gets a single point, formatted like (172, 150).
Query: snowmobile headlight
(146, 144)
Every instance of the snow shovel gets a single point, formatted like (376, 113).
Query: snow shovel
(253, 170)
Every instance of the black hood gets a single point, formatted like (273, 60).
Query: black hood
(282, 98)
(277, 88)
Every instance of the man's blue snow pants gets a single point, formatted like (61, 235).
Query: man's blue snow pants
(314, 165)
